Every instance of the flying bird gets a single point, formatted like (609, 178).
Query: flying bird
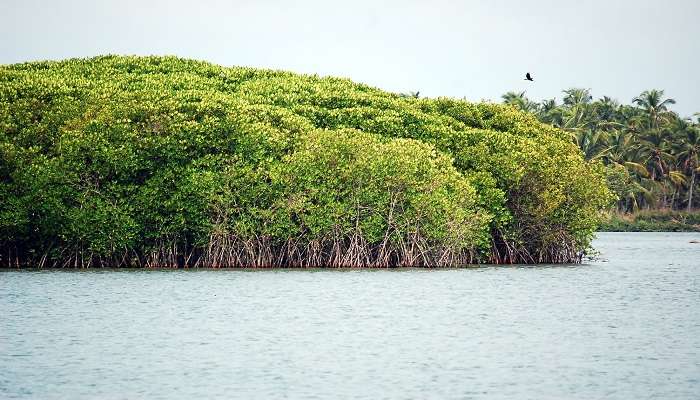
(528, 77)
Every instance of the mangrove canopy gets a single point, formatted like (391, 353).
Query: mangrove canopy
(161, 161)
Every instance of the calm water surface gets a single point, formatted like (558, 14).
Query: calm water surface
(625, 327)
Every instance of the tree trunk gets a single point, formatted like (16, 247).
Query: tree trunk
(673, 198)
(690, 192)
(664, 200)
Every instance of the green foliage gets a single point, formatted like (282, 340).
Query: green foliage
(352, 182)
(164, 161)
(652, 221)
(652, 154)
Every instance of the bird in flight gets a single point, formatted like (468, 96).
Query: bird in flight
(528, 77)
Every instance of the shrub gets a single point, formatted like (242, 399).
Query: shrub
(160, 161)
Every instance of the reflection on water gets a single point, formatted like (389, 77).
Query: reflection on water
(626, 326)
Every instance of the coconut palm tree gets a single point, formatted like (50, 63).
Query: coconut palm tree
(687, 149)
(577, 96)
(592, 143)
(621, 145)
(607, 114)
(520, 101)
(654, 106)
(655, 152)
(659, 150)
(577, 110)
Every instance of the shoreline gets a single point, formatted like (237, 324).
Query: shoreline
(652, 221)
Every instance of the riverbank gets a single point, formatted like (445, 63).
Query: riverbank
(652, 221)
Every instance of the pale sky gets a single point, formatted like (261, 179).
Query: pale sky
(473, 49)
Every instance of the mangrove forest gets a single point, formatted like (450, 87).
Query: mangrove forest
(166, 162)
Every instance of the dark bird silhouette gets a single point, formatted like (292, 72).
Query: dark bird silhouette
(528, 77)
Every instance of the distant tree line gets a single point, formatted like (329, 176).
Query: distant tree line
(651, 152)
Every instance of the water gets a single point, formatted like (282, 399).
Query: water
(625, 328)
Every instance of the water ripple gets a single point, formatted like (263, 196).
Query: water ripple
(625, 328)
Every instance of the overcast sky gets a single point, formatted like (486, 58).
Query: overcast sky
(473, 49)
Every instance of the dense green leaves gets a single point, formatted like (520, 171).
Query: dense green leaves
(163, 161)
(658, 148)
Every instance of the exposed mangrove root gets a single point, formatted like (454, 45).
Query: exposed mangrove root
(228, 251)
